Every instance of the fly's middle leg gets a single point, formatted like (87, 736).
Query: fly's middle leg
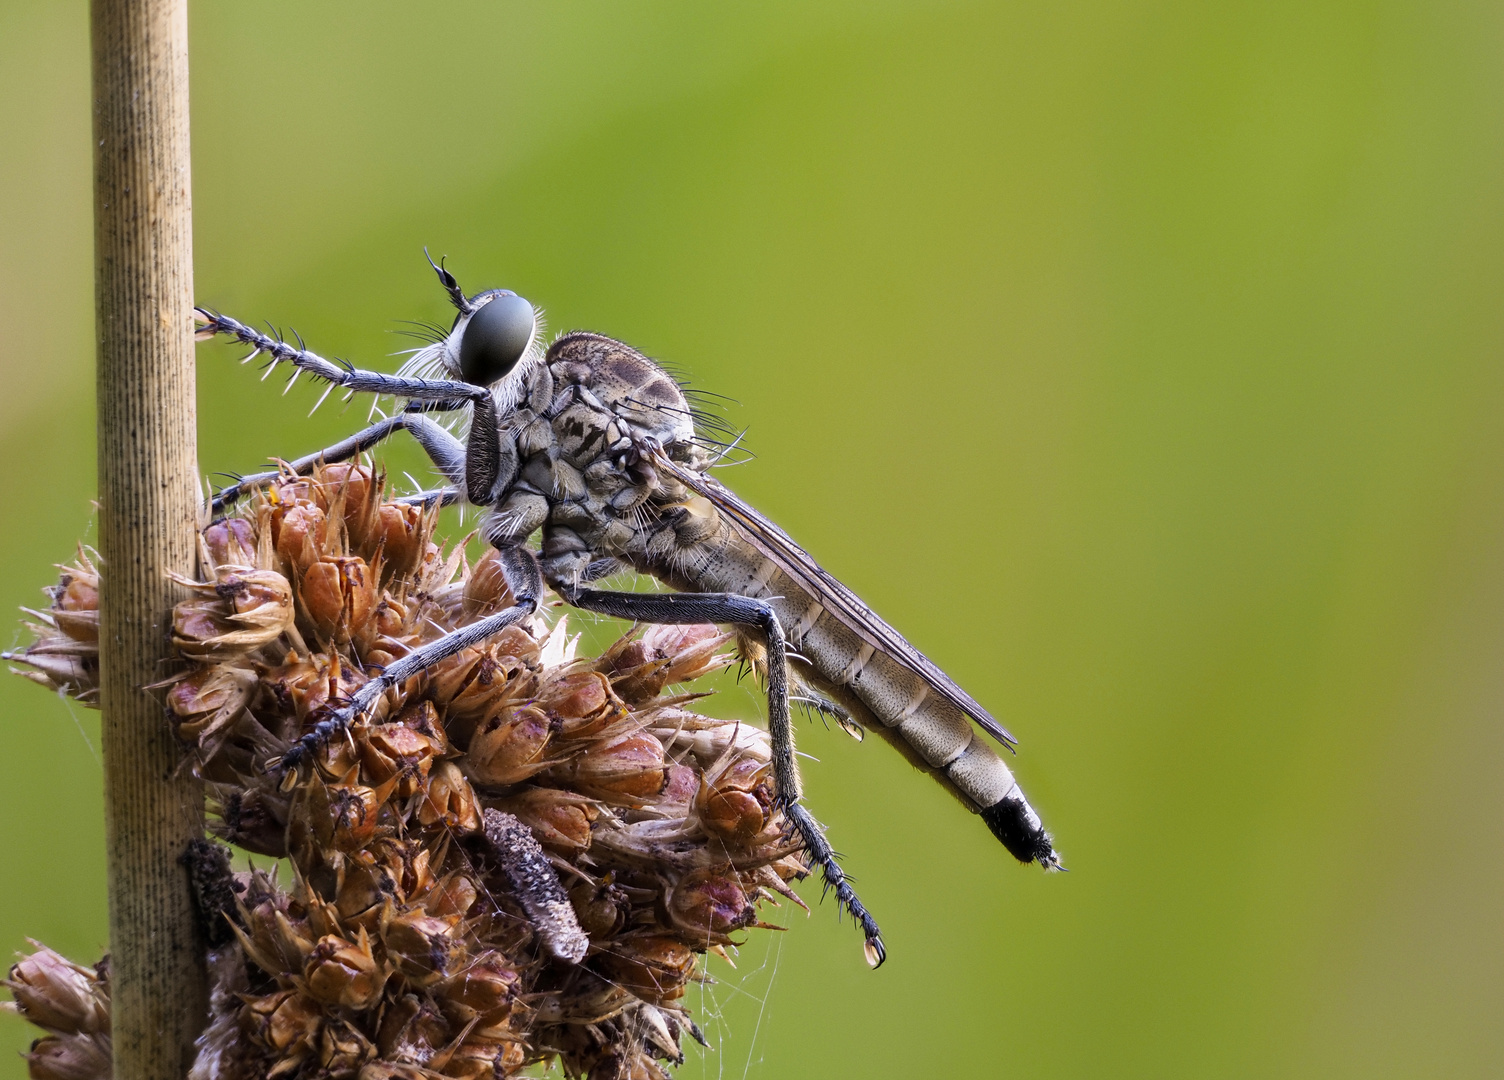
(519, 567)
(443, 449)
(730, 608)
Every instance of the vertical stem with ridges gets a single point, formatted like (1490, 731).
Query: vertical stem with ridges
(148, 508)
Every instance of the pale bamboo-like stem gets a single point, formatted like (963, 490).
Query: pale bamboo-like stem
(148, 508)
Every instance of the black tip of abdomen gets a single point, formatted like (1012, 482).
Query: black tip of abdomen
(1016, 824)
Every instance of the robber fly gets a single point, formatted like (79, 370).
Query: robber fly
(594, 445)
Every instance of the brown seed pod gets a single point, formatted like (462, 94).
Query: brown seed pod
(561, 820)
(412, 1030)
(710, 904)
(75, 605)
(510, 747)
(626, 770)
(603, 909)
(343, 1049)
(344, 973)
(231, 542)
(338, 597)
(206, 701)
(641, 668)
(449, 800)
(581, 704)
(398, 751)
(238, 613)
(484, 991)
(735, 802)
(69, 1057)
(654, 968)
(421, 946)
(299, 535)
(59, 995)
(286, 1022)
(486, 590)
(402, 539)
(350, 490)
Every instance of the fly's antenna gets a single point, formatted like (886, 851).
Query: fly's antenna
(452, 287)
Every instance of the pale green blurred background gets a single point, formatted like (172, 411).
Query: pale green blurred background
(1141, 362)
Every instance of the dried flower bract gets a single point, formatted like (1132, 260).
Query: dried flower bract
(521, 858)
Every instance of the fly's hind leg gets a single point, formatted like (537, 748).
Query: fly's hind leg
(827, 710)
(443, 449)
(682, 608)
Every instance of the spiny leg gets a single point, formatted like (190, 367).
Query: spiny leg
(681, 608)
(826, 709)
(519, 567)
(443, 449)
(489, 467)
(337, 372)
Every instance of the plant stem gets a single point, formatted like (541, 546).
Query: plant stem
(148, 509)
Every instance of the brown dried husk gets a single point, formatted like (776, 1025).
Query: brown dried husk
(406, 944)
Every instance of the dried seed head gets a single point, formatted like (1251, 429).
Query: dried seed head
(629, 770)
(412, 1030)
(602, 909)
(299, 535)
(707, 905)
(75, 606)
(69, 1057)
(432, 928)
(253, 819)
(343, 816)
(655, 968)
(59, 995)
(422, 946)
(231, 542)
(397, 751)
(449, 801)
(343, 1049)
(486, 590)
(402, 538)
(206, 701)
(583, 705)
(350, 490)
(481, 1058)
(561, 820)
(248, 609)
(338, 597)
(455, 895)
(641, 668)
(484, 991)
(285, 1022)
(510, 747)
(344, 973)
(736, 802)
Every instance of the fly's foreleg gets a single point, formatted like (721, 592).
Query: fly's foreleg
(520, 569)
(682, 608)
(338, 372)
(443, 449)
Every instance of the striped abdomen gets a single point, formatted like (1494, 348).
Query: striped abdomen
(886, 696)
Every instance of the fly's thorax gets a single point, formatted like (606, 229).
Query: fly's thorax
(580, 473)
(623, 381)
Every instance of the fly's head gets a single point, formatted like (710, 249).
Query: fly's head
(494, 342)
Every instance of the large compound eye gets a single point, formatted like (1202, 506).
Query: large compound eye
(495, 339)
